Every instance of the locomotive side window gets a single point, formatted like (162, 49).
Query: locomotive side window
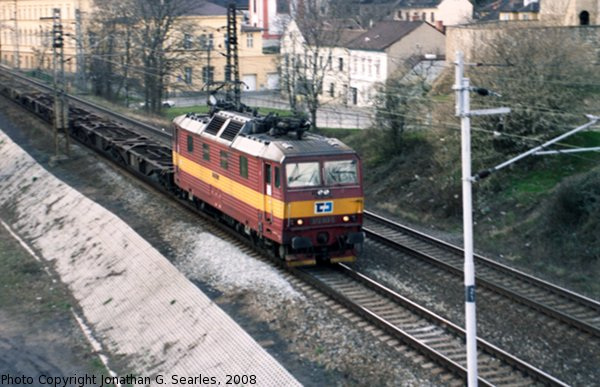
(277, 177)
(243, 167)
(340, 172)
(206, 152)
(267, 174)
(190, 143)
(224, 160)
(303, 174)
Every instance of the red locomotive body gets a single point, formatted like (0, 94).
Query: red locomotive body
(303, 197)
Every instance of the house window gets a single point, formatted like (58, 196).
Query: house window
(206, 152)
(341, 64)
(424, 16)
(432, 17)
(331, 89)
(187, 41)
(190, 144)
(208, 74)
(377, 67)
(244, 167)
(364, 61)
(525, 16)
(370, 66)
(188, 75)
(584, 18)
(206, 41)
(249, 40)
(354, 95)
(400, 15)
(407, 16)
(330, 62)
(224, 159)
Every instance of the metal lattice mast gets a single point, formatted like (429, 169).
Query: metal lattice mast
(61, 109)
(232, 54)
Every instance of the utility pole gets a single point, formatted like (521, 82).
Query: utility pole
(462, 88)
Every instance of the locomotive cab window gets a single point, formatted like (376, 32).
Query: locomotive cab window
(340, 172)
(303, 174)
(206, 152)
(190, 143)
(224, 160)
(243, 167)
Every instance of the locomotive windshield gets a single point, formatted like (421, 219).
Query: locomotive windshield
(303, 174)
(340, 172)
(335, 172)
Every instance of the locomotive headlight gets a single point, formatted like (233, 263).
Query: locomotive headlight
(299, 222)
(346, 218)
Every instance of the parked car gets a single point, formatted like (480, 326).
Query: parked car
(167, 103)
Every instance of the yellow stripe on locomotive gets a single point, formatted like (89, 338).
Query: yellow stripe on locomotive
(255, 199)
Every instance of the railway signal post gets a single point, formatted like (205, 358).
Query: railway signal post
(462, 88)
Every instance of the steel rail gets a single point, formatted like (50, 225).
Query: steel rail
(439, 352)
(558, 311)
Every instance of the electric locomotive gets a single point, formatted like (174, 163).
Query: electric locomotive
(297, 193)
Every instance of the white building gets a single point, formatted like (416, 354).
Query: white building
(354, 67)
(440, 13)
(271, 16)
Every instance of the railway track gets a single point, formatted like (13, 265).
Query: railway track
(561, 304)
(162, 134)
(433, 336)
(429, 335)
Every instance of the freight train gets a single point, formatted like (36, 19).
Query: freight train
(295, 193)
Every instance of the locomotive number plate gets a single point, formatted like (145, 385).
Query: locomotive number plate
(323, 207)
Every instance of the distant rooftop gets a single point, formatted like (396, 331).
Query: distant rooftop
(384, 34)
(418, 3)
(204, 8)
(492, 10)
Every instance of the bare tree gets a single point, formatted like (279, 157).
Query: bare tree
(160, 39)
(109, 47)
(543, 76)
(401, 104)
(307, 52)
(139, 41)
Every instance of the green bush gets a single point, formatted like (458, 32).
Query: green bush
(573, 218)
